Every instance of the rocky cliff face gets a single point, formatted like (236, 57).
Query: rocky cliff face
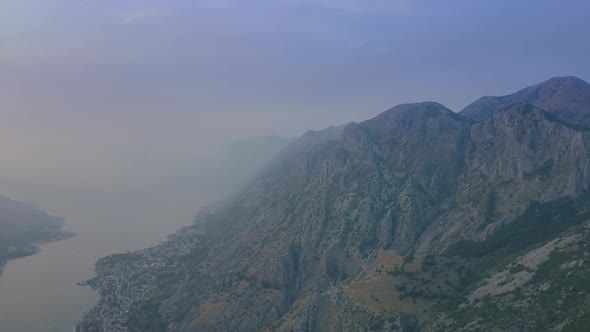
(386, 224)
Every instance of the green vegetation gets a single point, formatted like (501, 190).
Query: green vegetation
(543, 172)
(432, 277)
(539, 223)
(579, 325)
(558, 290)
(517, 268)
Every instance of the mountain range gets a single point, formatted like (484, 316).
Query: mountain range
(418, 219)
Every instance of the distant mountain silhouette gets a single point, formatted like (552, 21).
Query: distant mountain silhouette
(22, 224)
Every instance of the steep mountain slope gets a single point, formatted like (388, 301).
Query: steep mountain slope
(388, 224)
(566, 97)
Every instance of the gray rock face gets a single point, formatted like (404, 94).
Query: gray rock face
(566, 97)
(415, 180)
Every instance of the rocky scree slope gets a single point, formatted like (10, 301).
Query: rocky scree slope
(388, 224)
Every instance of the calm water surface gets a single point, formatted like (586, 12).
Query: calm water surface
(39, 293)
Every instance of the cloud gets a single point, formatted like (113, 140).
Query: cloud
(138, 16)
(357, 5)
(149, 11)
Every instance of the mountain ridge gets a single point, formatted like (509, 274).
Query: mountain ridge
(567, 97)
(366, 226)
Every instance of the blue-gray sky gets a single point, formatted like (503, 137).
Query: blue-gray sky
(89, 84)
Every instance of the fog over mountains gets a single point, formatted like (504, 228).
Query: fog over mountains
(420, 218)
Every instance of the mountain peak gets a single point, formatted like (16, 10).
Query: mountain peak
(408, 114)
(565, 81)
(566, 97)
(570, 86)
(421, 108)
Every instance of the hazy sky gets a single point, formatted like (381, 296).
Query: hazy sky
(90, 89)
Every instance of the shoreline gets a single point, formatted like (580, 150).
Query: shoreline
(33, 248)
